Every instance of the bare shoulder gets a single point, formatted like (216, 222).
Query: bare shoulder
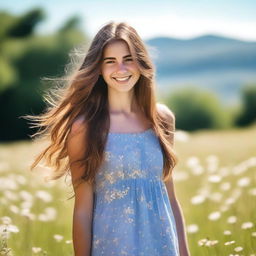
(76, 138)
(165, 111)
(76, 146)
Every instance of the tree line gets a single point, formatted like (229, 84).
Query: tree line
(26, 58)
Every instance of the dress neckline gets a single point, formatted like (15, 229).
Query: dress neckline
(131, 133)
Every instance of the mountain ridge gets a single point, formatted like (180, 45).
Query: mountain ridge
(182, 61)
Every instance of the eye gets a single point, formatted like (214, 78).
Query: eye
(129, 59)
(111, 61)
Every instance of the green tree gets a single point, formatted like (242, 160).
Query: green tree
(26, 58)
(8, 74)
(196, 109)
(70, 24)
(25, 25)
(247, 114)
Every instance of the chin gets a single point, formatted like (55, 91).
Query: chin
(121, 88)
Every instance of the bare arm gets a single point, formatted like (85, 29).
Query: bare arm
(83, 206)
(179, 219)
(177, 211)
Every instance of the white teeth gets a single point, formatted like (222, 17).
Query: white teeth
(122, 79)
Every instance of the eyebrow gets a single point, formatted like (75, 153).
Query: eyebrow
(112, 58)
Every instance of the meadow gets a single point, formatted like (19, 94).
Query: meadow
(215, 182)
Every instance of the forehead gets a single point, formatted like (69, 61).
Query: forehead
(116, 47)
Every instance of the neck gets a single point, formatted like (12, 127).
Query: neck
(122, 103)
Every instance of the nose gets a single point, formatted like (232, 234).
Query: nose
(121, 67)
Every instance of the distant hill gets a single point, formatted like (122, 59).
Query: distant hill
(220, 64)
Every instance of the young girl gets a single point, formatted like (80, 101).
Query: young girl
(108, 132)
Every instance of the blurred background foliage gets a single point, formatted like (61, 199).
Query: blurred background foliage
(26, 58)
(196, 108)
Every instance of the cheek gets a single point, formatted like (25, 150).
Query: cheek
(136, 71)
(106, 71)
(105, 74)
(135, 67)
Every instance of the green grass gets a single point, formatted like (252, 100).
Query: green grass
(221, 155)
(228, 149)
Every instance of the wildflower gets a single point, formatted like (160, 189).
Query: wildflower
(21, 179)
(49, 214)
(12, 228)
(36, 249)
(26, 213)
(10, 195)
(43, 217)
(181, 136)
(244, 182)
(14, 209)
(202, 242)
(44, 196)
(6, 220)
(247, 225)
(210, 243)
(238, 249)
(6, 230)
(214, 178)
(254, 234)
(244, 166)
(232, 219)
(193, 228)
(229, 242)
(212, 163)
(25, 195)
(8, 183)
(227, 232)
(252, 191)
(207, 242)
(180, 175)
(57, 237)
(216, 196)
(198, 199)
(197, 170)
(26, 204)
(230, 200)
(225, 186)
(9, 228)
(214, 216)
(192, 161)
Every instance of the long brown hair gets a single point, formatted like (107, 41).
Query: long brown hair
(85, 94)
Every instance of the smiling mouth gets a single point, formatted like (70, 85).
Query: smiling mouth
(122, 79)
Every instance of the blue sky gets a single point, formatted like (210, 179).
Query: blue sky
(179, 18)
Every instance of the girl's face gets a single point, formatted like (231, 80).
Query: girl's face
(118, 68)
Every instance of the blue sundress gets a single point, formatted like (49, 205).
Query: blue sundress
(132, 212)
